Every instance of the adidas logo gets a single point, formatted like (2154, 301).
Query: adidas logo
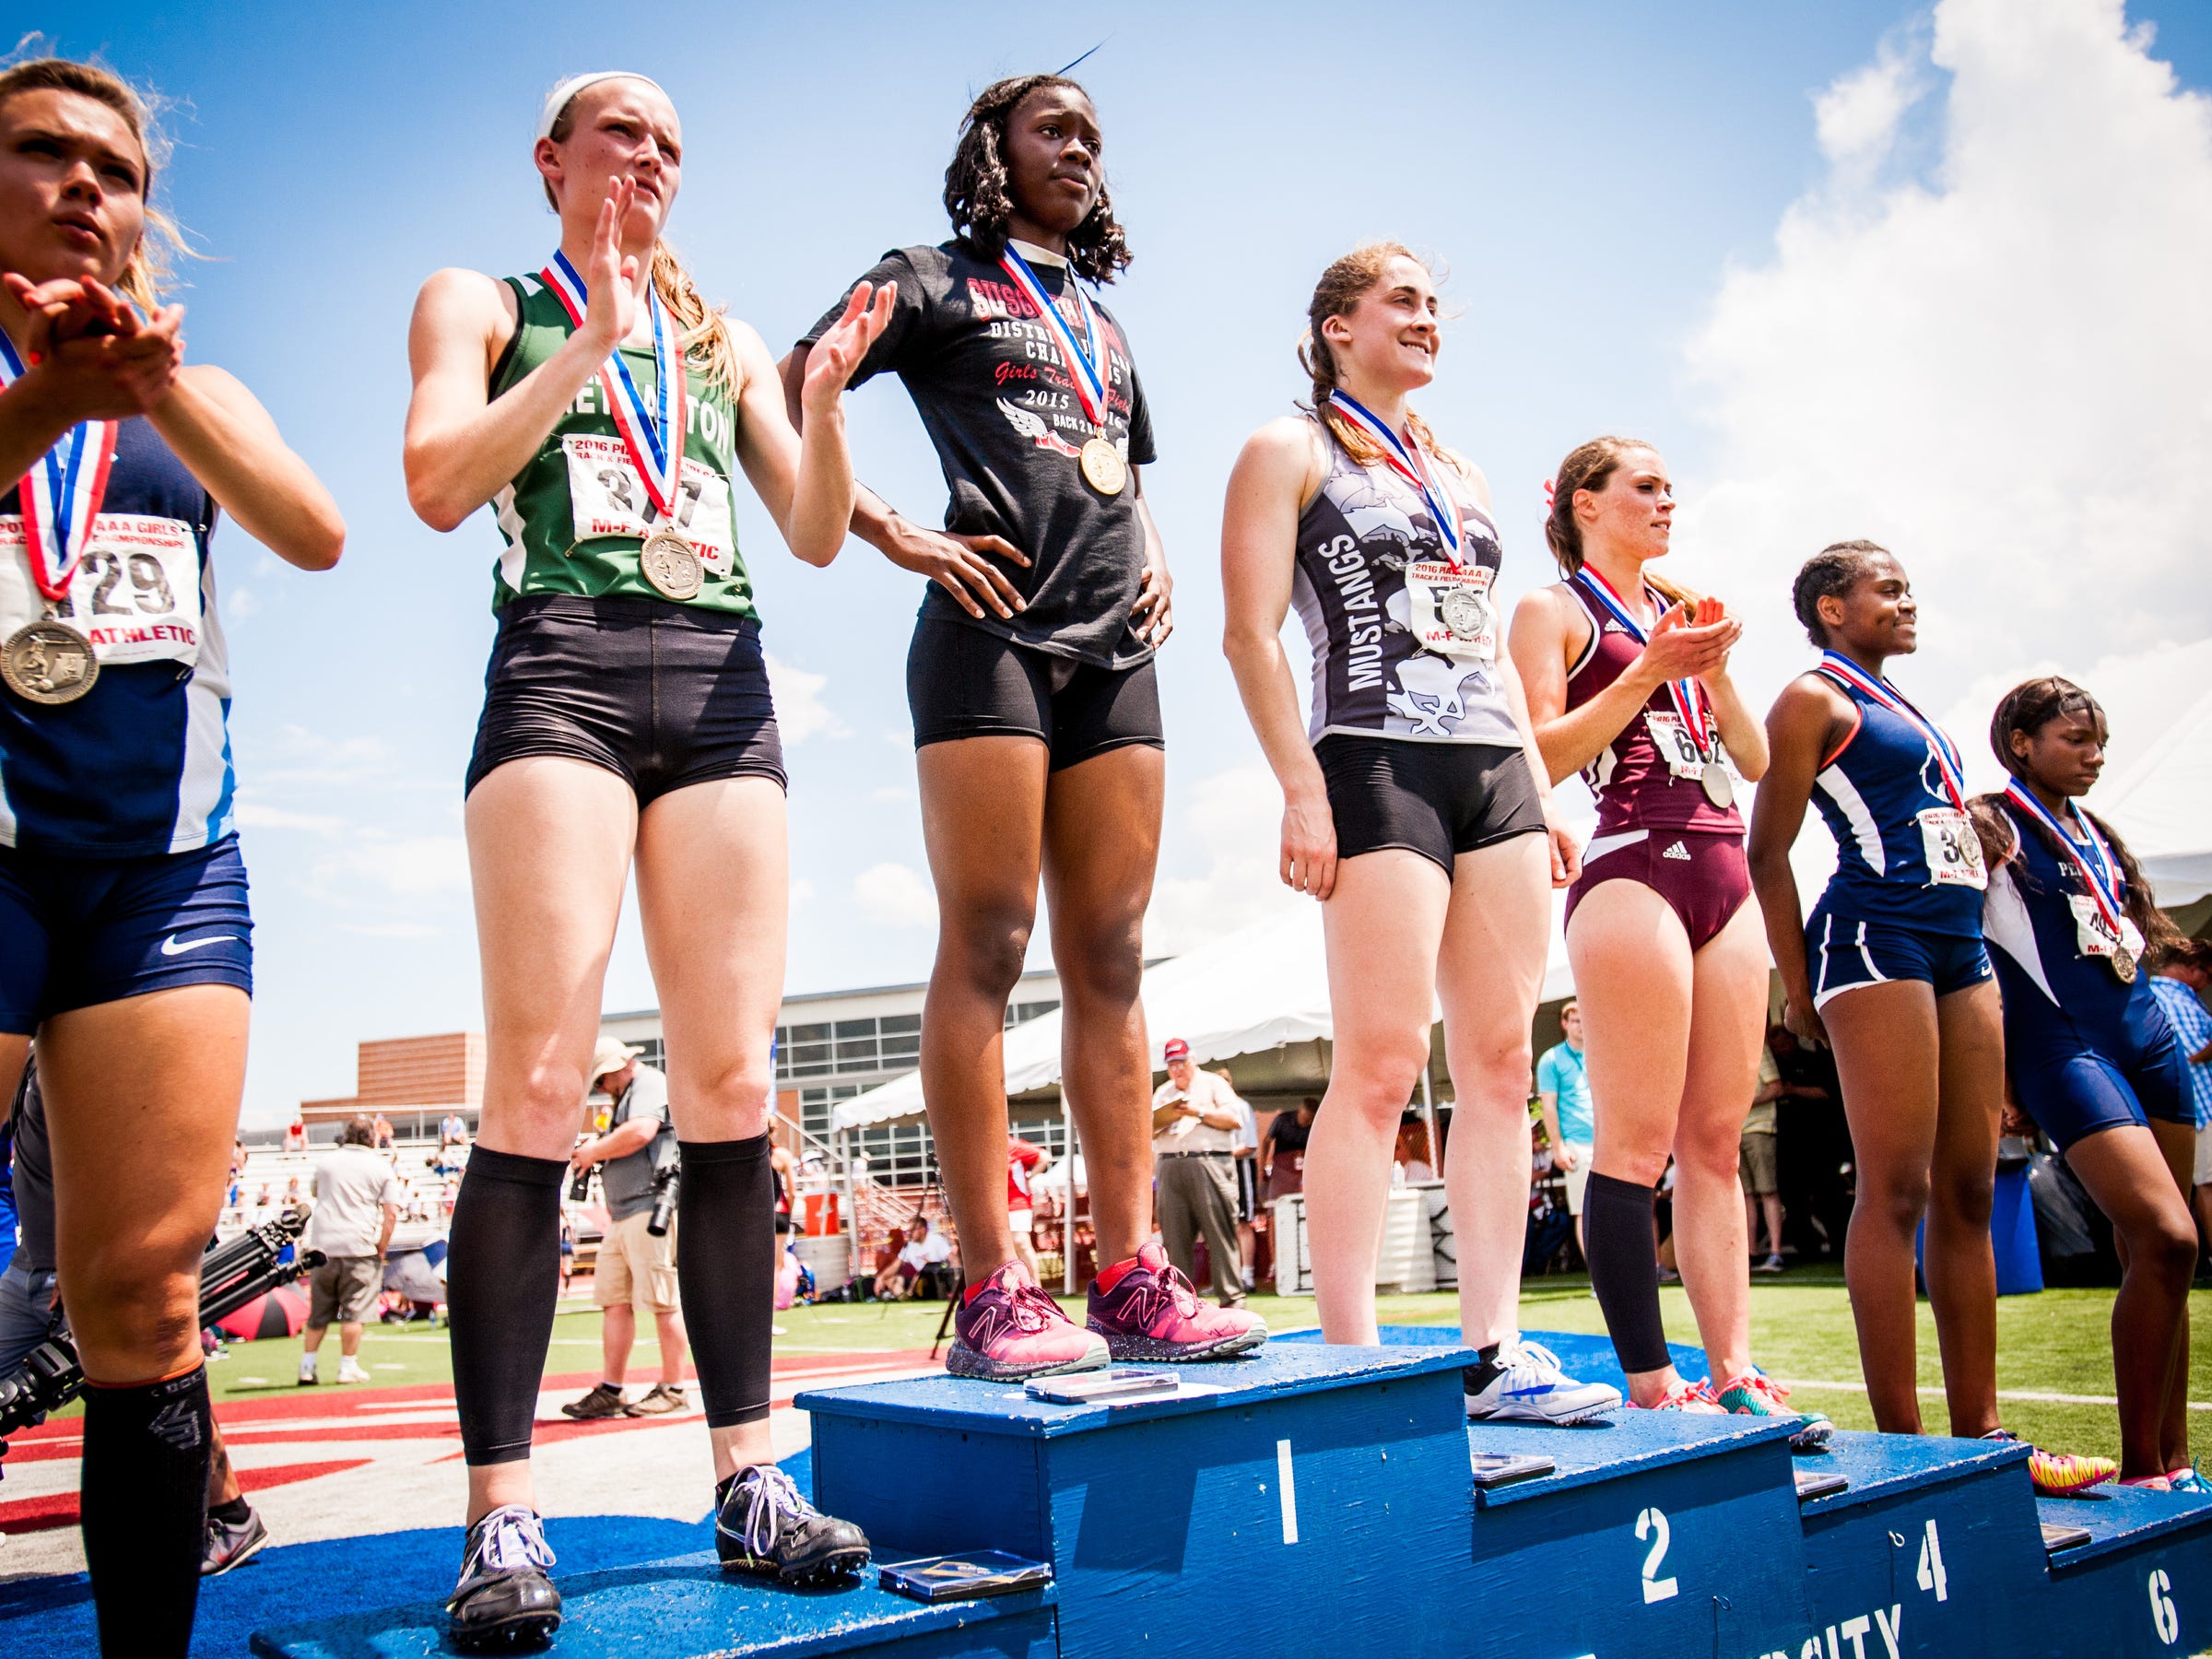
(175, 1425)
(1612, 627)
(1677, 851)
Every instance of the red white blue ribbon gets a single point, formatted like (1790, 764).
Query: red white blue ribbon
(1084, 357)
(62, 492)
(1838, 666)
(2099, 868)
(1407, 461)
(654, 436)
(1687, 695)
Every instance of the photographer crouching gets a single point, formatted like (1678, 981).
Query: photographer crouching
(636, 1270)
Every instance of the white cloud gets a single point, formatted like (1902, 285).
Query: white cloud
(238, 604)
(897, 895)
(1235, 816)
(256, 813)
(373, 866)
(801, 892)
(800, 712)
(1996, 368)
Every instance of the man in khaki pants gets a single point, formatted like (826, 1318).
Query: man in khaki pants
(636, 1272)
(1195, 1125)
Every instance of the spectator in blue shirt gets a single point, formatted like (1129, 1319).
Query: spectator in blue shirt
(1563, 1085)
(2184, 974)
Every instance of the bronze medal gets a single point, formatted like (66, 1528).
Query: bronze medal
(669, 564)
(1713, 780)
(48, 662)
(1103, 468)
(2123, 964)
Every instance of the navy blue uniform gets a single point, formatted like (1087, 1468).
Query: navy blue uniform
(1905, 902)
(2085, 1052)
(119, 865)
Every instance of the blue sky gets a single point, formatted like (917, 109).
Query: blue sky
(1611, 189)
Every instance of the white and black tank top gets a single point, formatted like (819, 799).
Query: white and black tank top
(1405, 637)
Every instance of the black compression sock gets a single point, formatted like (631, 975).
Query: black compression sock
(503, 1284)
(725, 1267)
(1480, 1375)
(143, 1500)
(233, 1513)
(1624, 1269)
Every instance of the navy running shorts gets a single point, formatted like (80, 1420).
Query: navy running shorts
(1844, 953)
(2073, 1082)
(84, 931)
(964, 682)
(1437, 799)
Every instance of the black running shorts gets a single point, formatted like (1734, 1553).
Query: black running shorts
(963, 682)
(661, 695)
(1437, 799)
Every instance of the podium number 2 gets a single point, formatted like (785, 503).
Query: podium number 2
(1651, 1524)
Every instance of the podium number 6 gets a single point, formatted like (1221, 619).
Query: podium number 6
(1651, 1524)
(2163, 1618)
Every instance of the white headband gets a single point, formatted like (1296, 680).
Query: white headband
(562, 95)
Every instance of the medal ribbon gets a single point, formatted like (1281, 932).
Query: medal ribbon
(2099, 867)
(1687, 695)
(655, 436)
(1407, 461)
(61, 494)
(1838, 666)
(1082, 365)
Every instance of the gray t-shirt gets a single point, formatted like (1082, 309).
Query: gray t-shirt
(34, 1177)
(352, 1186)
(628, 1182)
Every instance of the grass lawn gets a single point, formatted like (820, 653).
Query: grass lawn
(2057, 1343)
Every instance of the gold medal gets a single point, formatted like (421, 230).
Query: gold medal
(669, 564)
(1103, 468)
(48, 662)
(2123, 964)
(1713, 780)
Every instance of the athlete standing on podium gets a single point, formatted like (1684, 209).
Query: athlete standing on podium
(1036, 709)
(126, 938)
(2069, 919)
(605, 408)
(1628, 682)
(1889, 969)
(1415, 805)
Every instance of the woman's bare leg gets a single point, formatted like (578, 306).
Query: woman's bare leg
(1384, 924)
(550, 844)
(1959, 1263)
(1886, 1045)
(1102, 845)
(1633, 976)
(982, 821)
(717, 950)
(1489, 973)
(2177, 1145)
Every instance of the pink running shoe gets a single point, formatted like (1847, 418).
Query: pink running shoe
(1696, 1398)
(1151, 1313)
(1008, 1329)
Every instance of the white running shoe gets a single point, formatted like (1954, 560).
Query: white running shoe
(1530, 1387)
(307, 1371)
(349, 1370)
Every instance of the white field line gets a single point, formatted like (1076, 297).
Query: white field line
(2032, 1395)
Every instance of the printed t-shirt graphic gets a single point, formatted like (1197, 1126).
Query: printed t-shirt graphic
(575, 517)
(1405, 640)
(993, 394)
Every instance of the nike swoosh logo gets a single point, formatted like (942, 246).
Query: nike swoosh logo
(171, 948)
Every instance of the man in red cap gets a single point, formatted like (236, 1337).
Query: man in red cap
(1195, 1121)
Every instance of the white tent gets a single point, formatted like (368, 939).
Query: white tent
(1250, 990)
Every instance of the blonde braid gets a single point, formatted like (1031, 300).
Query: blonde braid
(705, 333)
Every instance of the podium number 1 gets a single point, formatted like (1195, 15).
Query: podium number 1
(1651, 1524)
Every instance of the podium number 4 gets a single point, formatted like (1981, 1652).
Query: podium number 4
(1651, 1524)
(1931, 1575)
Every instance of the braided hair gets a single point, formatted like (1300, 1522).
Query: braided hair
(2026, 709)
(1830, 574)
(975, 185)
(1588, 466)
(1346, 281)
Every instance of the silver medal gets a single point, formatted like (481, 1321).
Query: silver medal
(1464, 613)
(48, 662)
(669, 564)
(1713, 780)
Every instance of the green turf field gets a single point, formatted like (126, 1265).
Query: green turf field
(2056, 1343)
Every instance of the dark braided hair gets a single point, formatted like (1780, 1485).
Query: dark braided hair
(2026, 709)
(975, 185)
(1830, 573)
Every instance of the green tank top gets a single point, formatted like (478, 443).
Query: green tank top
(576, 515)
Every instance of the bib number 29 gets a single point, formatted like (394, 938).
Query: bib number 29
(1651, 1524)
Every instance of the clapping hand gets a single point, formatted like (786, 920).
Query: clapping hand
(1692, 644)
(610, 275)
(833, 359)
(99, 358)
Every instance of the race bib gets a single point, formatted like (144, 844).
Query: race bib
(1952, 849)
(1449, 610)
(1684, 758)
(136, 593)
(2094, 938)
(608, 498)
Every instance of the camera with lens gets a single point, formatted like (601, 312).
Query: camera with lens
(664, 1202)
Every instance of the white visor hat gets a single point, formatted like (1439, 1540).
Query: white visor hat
(559, 99)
